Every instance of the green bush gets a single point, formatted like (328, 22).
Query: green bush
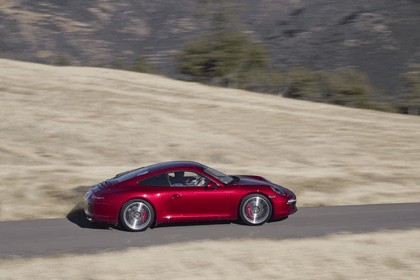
(301, 83)
(344, 86)
(222, 56)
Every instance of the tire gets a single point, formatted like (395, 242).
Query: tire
(255, 209)
(137, 215)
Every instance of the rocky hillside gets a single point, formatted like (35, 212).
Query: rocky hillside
(380, 37)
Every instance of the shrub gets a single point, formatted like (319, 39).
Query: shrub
(301, 83)
(222, 56)
(344, 86)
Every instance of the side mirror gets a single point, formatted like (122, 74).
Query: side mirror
(211, 185)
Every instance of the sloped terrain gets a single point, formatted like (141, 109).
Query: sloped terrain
(379, 37)
(66, 128)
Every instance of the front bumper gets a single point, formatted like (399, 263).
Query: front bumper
(283, 207)
(292, 205)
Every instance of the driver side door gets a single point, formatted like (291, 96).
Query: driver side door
(197, 198)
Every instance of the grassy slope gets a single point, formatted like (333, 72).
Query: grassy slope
(65, 128)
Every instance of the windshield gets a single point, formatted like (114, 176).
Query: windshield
(219, 175)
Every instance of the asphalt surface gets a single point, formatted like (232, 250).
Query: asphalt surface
(75, 235)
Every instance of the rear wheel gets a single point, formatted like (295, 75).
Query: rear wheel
(137, 215)
(255, 209)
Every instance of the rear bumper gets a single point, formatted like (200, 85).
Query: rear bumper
(88, 212)
(98, 212)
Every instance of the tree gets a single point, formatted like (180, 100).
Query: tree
(301, 83)
(222, 55)
(345, 86)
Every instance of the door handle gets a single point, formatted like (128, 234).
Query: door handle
(176, 195)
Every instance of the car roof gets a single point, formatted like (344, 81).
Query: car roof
(158, 167)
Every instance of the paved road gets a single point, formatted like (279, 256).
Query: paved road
(74, 235)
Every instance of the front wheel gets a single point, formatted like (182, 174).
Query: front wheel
(255, 209)
(137, 215)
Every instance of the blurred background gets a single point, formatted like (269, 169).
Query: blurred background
(358, 53)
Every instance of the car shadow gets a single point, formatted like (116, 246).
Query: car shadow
(278, 219)
(205, 223)
(190, 224)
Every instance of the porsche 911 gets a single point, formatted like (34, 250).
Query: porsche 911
(186, 191)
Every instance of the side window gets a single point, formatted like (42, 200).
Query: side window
(160, 180)
(187, 179)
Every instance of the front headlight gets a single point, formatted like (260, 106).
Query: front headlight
(278, 190)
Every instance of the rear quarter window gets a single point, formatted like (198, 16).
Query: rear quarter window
(160, 180)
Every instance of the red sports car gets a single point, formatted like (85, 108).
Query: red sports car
(185, 191)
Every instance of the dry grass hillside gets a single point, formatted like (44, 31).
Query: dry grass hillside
(65, 128)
